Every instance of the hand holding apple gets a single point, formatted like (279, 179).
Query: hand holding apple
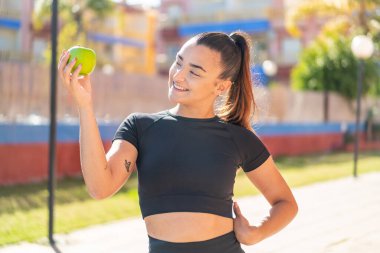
(85, 56)
(78, 87)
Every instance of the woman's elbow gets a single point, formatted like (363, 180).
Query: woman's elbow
(294, 208)
(98, 195)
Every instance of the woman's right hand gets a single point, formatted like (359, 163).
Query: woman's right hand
(78, 87)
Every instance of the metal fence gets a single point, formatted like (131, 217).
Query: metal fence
(24, 94)
(24, 97)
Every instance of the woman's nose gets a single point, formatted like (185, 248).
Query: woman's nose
(179, 75)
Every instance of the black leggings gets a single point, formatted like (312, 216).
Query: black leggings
(226, 243)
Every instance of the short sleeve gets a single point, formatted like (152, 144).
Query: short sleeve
(254, 152)
(128, 130)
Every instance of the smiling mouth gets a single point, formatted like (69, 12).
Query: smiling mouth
(177, 87)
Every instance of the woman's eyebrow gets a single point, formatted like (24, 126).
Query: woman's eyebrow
(192, 64)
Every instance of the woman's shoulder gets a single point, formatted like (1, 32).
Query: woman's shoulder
(143, 120)
(238, 129)
(242, 134)
(148, 115)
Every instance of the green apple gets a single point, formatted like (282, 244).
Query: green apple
(85, 56)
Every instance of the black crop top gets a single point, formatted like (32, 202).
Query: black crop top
(189, 164)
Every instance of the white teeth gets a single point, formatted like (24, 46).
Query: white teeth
(179, 87)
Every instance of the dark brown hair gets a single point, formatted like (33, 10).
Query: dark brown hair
(234, 49)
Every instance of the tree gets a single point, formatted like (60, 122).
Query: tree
(75, 19)
(328, 63)
(358, 13)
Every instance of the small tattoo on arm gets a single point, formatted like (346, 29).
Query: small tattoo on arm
(127, 164)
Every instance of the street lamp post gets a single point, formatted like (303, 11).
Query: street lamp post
(270, 68)
(362, 47)
(53, 123)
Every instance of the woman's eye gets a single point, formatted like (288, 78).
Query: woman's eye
(194, 73)
(177, 63)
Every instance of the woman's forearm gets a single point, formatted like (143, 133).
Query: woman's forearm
(92, 155)
(281, 214)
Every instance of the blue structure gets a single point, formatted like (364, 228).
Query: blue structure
(249, 26)
(258, 75)
(13, 24)
(115, 40)
(25, 133)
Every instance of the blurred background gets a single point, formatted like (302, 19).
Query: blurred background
(296, 42)
(304, 69)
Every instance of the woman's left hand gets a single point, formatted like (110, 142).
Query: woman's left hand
(245, 234)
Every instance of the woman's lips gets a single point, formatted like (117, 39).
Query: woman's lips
(179, 88)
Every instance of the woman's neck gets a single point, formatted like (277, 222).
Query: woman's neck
(184, 111)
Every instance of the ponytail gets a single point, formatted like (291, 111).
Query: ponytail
(239, 105)
(240, 102)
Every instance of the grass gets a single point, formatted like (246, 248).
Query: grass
(309, 169)
(24, 213)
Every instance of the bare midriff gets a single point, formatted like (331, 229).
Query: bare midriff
(187, 226)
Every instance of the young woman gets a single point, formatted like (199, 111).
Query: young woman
(187, 156)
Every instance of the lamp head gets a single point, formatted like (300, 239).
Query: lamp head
(362, 47)
(269, 68)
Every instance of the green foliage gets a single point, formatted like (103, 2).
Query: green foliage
(101, 8)
(328, 63)
(72, 20)
(23, 214)
(67, 37)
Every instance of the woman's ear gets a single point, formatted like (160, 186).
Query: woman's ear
(223, 86)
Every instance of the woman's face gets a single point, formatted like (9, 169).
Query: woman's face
(193, 76)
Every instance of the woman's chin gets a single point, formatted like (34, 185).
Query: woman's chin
(175, 99)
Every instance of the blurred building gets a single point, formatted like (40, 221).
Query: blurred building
(139, 40)
(125, 39)
(15, 29)
(263, 20)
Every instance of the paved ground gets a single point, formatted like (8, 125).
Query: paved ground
(341, 216)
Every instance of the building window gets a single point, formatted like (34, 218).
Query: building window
(290, 50)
